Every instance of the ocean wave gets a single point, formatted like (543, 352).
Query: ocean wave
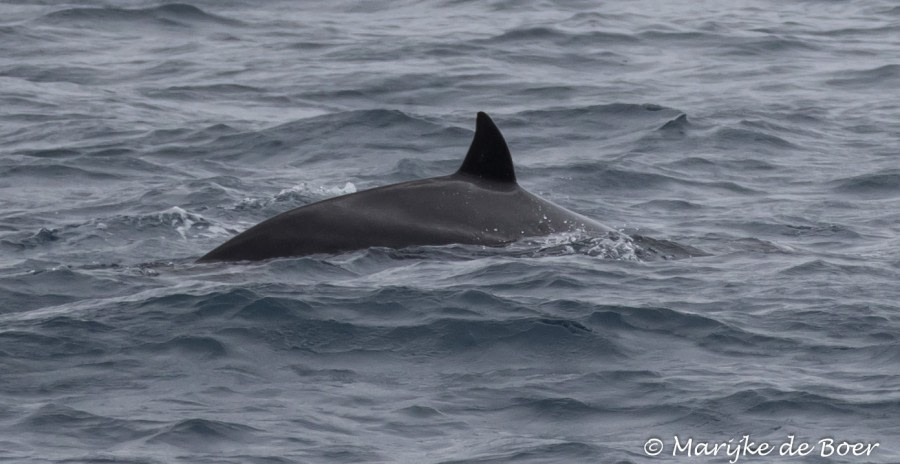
(679, 124)
(118, 232)
(886, 76)
(54, 173)
(320, 136)
(563, 38)
(854, 31)
(171, 14)
(731, 136)
(618, 178)
(670, 205)
(82, 75)
(706, 331)
(767, 400)
(635, 117)
(819, 267)
(766, 46)
(185, 346)
(698, 37)
(57, 419)
(547, 450)
(554, 408)
(175, 219)
(219, 92)
(204, 434)
(881, 184)
(32, 346)
(403, 320)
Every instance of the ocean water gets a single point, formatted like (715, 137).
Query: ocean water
(137, 135)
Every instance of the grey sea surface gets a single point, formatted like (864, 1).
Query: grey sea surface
(137, 135)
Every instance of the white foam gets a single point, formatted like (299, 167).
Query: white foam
(185, 223)
(615, 246)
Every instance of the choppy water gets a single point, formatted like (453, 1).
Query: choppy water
(135, 136)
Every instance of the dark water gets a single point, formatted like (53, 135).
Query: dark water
(135, 136)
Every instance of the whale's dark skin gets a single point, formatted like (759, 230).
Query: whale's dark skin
(481, 204)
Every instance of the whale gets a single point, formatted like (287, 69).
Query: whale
(480, 204)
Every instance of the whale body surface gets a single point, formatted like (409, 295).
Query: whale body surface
(481, 204)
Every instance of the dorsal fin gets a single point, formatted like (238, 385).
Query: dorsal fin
(488, 156)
